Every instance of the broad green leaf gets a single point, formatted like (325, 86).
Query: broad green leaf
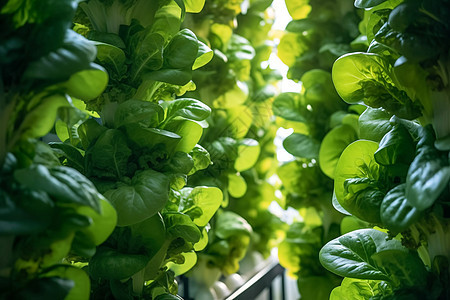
(207, 199)
(86, 84)
(287, 106)
(356, 181)
(396, 212)
(374, 124)
(147, 55)
(150, 137)
(187, 108)
(248, 154)
(40, 120)
(237, 186)
(229, 224)
(179, 225)
(394, 262)
(65, 185)
(112, 58)
(366, 78)
(109, 155)
(397, 146)
(167, 20)
(89, 131)
(240, 49)
(137, 111)
(194, 6)
(332, 146)
(189, 131)
(428, 174)
(152, 233)
(357, 289)
(82, 284)
(301, 145)
(182, 50)
(76, 54)
(368, 3)
(204, 56)
(108, 263)
(103, 223)
(144, 197)
(74, 158)
(350, 255)
(171, 76)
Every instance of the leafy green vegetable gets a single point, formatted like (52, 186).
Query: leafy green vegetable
(141, 199)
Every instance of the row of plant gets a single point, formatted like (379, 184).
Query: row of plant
(119, 198)
(389, 159)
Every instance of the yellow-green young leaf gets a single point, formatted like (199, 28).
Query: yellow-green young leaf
(190, 132)
(298, 9)
(200, 245)
(289, 48)
(61, 130)
(357, 289)
(233, 97)
(237, 187)
(204, 56)
(221, 34)
(82, 288)
(190, 259)
(81, 105)
(102, 224)
(40, 120)
(209, 200)
(239, 120)
(87, 84)
(332, 147)
(194, 6)
(355, 181)
(248, 154)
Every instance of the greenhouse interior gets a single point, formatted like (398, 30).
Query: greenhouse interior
(224, 149)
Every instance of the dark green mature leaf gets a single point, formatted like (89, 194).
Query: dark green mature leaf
(144, 197)
(182, 50)
(301, 145)
(74, 158)
(46, 288)
(80, 278)
(428, 174)
(14, 220)
(396, 212)
(147, 54)
(108, 263)
(76, 54)
(149, 137)
(64, 184)
(397, 146)
(138, 111)
(89, 131)
(112, 58)
(109, 155)
(374, 124)
(172, 76)
(350, 255)
(368, 3)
